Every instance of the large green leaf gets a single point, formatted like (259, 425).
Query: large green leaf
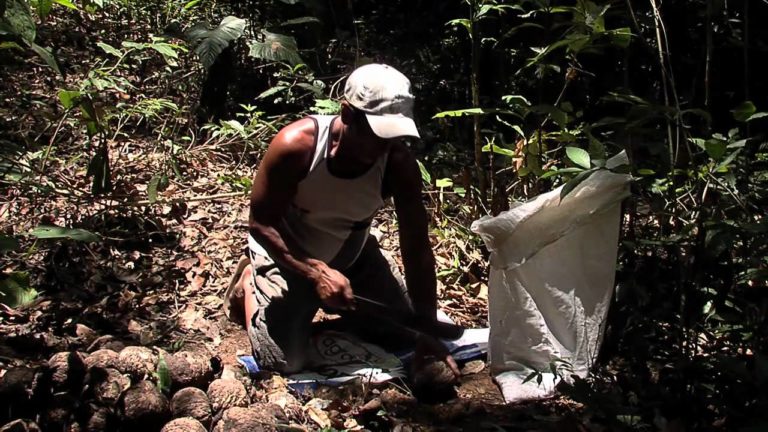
(44, 8)
(463, 112)
(744, 111)
(47, 56)
(276, 47)
(474, 112)
(578, 156)
(234, 125)
(574, 42)
(166, 50)
(426, 177)
(716, 148)
(756, 116)
(54, 232)
(516, 100)
(109, 49)
(191, 4)
(271, 91)
(620, 37)
(467, 24)
(499, 150)
(10, 45)
(15, 290)
(300, 20)
(209, 43)
(66, 3)
(17, 18)
(229, 29)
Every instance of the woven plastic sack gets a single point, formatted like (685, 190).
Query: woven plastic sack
(552, 276)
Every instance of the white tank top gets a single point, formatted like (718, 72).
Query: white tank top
(330, 216)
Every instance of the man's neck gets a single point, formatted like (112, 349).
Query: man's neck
(342, 160)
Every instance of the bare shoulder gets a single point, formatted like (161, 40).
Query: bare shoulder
(291, 150)
(298, 136)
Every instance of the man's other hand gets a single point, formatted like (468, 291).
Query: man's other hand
(333, 287)
(429, 347)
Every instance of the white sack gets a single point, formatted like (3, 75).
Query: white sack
(551, 280)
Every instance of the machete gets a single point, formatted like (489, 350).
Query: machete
(439, 329)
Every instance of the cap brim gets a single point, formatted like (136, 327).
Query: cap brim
(392, 125)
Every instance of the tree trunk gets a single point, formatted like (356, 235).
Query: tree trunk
(480, 171)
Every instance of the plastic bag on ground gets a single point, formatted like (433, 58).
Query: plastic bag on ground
(552, 276)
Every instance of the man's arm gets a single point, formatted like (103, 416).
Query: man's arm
(403, 180)
(285, 164)
(404, 183)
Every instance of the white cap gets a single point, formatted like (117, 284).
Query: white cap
(384, 95)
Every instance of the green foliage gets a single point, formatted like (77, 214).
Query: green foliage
(491, 147)
(43, 7)
(209, 42)
(17, 23)
(326, 106)
(163, 375)
(15, 290)
(156, 183)
(472, 112)
(296, 83)
(54, 232)
(99, 119)
(747, 112)
(578, 156)
(253, 129)
(242, 183)
(586, 34)
(426, 177)
(561, 370)
(481, 10)
(276, 47)
(167, 50)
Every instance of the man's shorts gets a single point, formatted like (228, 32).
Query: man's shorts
(281, 328)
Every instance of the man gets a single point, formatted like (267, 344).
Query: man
(322, 180)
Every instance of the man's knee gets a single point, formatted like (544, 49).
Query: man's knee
(281, 347)
(273, 358)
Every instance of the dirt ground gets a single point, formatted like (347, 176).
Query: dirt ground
(158, 281)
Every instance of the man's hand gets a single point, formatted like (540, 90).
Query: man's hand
(429, 347)
(333, 287)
